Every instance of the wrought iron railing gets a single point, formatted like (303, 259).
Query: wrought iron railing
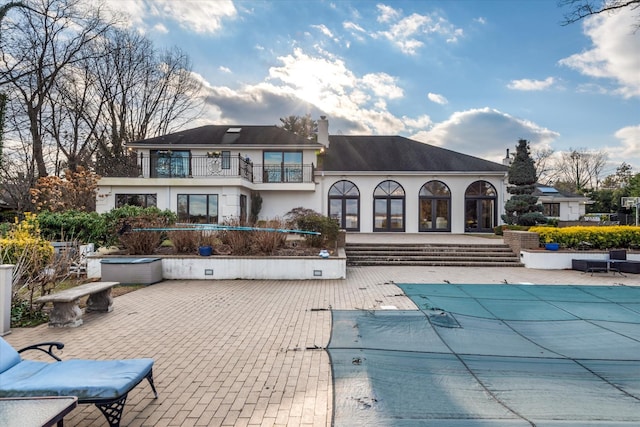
(166, 165)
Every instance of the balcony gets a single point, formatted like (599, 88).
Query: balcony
(209, 167)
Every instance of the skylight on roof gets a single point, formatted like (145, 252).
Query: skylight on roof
(548, 189)
(234, 130)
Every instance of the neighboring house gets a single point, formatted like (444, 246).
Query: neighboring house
(367, 183)
(561, 206)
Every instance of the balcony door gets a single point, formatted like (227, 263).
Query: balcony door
(282, 166)
(170, 164)
(480, 207)
(344, 205)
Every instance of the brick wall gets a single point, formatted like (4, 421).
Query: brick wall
(518, 240)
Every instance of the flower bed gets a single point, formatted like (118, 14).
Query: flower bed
(619, 236)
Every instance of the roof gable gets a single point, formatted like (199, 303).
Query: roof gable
(396, 153)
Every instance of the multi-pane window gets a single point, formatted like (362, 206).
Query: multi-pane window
(435, 201)
(551, 209)
(142, 200)
(388, 207)
(170, 164)
(198, 208)
(282, 166)
(344, 204)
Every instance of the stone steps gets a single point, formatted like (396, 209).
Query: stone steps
(433, 254)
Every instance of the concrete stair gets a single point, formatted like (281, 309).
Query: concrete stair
(431, 254)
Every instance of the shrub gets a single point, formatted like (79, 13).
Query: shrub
(499, 230)
(4, 228)
(309, 220)
(184, 241)
(267, 242)
(24, 237)
(23, 314)
(121, 221)
(36, 270)
(74, 225)
(238, 240)
(620, 236)
(256, 207)
(76, 191)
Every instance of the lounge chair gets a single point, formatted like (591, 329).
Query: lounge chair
(104, 383)
(618, 258)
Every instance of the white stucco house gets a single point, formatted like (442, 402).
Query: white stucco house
(367, 183)
(559, 205)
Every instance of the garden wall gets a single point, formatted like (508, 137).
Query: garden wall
(519, 240)
(175, 267)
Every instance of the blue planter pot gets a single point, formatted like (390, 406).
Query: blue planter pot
(552, 246)
(205, 250)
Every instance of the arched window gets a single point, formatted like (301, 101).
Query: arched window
(480, 207)
(344, 205)
(435, 207)
(388, 207)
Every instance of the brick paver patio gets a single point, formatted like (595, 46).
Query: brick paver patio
(248, 353)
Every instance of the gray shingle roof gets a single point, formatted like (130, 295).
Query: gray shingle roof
(212, 135)
(345, 152)
(396, 153)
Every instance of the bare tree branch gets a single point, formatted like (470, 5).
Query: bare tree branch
(580, 9)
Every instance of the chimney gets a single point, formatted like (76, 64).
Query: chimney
(323, 131)
(507, 160)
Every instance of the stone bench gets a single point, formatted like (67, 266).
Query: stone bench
(66, 310)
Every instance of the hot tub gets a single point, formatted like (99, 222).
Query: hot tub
(132, 271)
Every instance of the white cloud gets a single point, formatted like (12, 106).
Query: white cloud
(319, 80)
(383, 85)
(160, 28)
(352, 26)
(614, 52)
(438, 99)
(315, 84)
(480, 20)
(356, 30)
(531, 85)
(422, 122)
(224, 69)
(409, 32)
(485, 133)
(387, 13)
(629, 149)
(324, 30)
(196, 16)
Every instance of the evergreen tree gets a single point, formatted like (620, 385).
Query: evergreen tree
(522, 208)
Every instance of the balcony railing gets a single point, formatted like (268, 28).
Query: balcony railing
(168, 166)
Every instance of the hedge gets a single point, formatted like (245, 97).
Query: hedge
(619, 236)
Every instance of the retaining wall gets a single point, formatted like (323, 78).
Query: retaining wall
(260, 268)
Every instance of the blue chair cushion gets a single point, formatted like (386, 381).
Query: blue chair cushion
(8, 356)
(85, 379)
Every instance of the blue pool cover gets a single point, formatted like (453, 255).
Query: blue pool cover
(491, 355)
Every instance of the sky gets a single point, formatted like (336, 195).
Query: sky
(473, 76)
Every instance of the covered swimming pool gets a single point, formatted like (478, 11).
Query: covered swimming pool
(491, 355)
